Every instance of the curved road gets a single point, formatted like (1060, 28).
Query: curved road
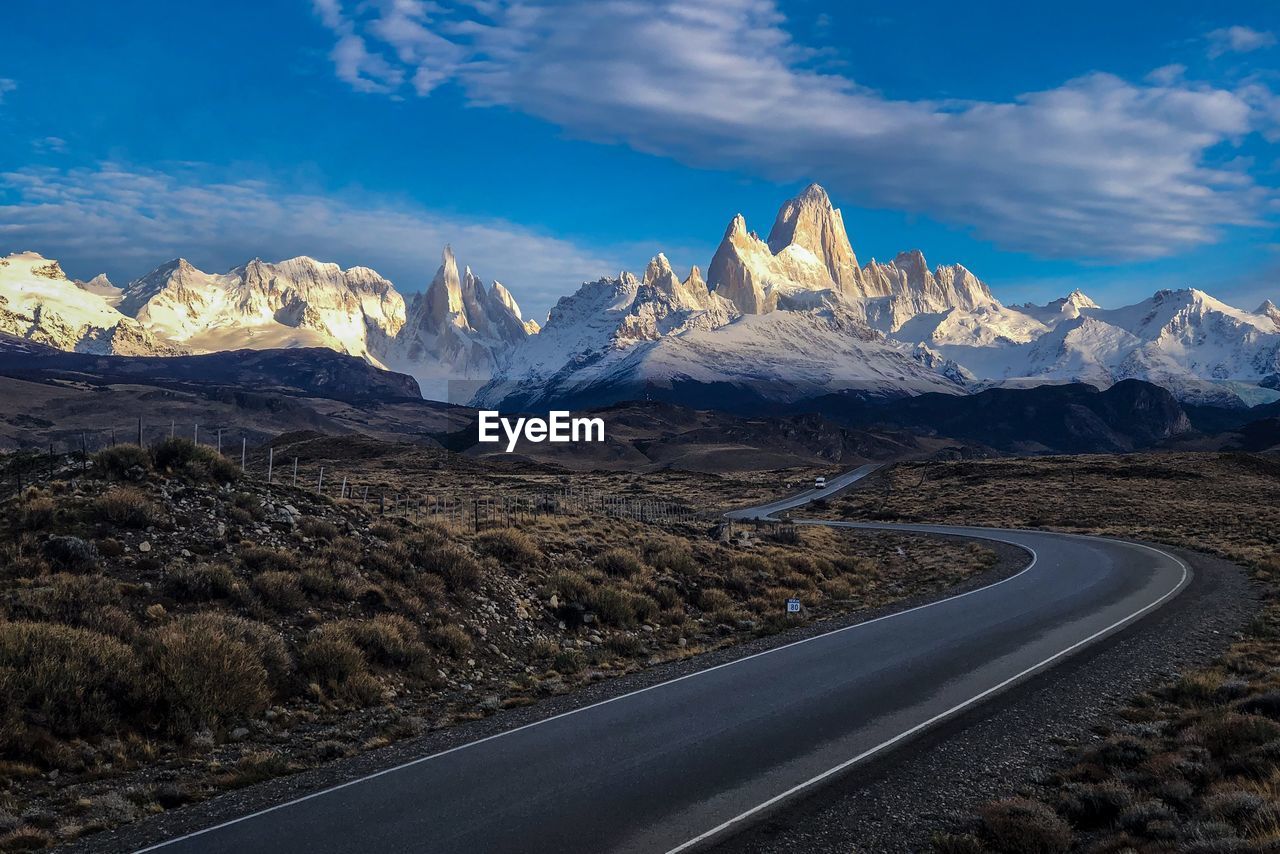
(681, 764)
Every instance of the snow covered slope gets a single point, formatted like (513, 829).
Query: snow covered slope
(1198, 347)
(38, 302)
(296, 303)
(627, 338)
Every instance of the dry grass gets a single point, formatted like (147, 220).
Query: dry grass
(128, 648)
(1193, 763)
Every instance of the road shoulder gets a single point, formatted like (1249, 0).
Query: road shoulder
(1010, 560)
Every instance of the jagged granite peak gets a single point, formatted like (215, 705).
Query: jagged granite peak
(661, 279)
(456, 331)
(809, 250)
(811, 222)
(746, 272)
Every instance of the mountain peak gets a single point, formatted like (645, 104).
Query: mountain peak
(810, 222)
(1267, 307)
(1080, 299)
(815, 193)
(659, 268)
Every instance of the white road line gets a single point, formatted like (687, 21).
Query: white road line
(720, 828)
(420, 760)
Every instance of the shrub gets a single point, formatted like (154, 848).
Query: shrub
(261, 559)
(614, 607)
(184, 458)
(620, 563)
(711, 599)
(63, 598)
(201, 583)
(317, 529)
(1021, 826)
(336, 664)
(79, 682)
(388, 639)
(627, 645)
(280, 590)
(36, 512)
(670, 557)
(71, 554)
(570, 586)
(568, 661)
(127, 507)
(956, 843)
(509, 546)
(123, 462)
(210, 668)
(458, 568)
(1095, 805)
(393, 560)
(454, 640)
(1229, 734)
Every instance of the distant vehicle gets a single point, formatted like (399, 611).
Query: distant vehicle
(819, 483)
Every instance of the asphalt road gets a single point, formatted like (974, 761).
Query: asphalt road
(686, 762)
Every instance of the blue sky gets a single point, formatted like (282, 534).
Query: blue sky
(1102, 145)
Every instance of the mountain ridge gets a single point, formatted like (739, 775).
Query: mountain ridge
(783, 318)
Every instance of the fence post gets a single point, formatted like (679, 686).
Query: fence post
(295, 471)
(139, 431)
(219, 441)
(244, 448)
(320, 481)
(271, 460)
(195, 435)
(343, 493)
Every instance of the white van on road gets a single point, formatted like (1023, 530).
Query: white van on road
(819, 482)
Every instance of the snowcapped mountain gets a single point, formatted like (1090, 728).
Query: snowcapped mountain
(796, 315)
(1198, 347)
(457, 331)
(38, 302)
(296, 303)
(809, 250)
(626, 338)
(102, 286)
(785, 318)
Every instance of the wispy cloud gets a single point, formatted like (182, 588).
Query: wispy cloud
(1238, 39)
(1098, 167)
(7, 85)
(49, 145)
(139, 218)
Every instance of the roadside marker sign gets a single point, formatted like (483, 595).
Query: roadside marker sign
(793, 606)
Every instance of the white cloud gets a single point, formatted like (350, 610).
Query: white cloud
(127, 221)
(1097, 167)
(49, 145)
(1237, 39)
(7, 85)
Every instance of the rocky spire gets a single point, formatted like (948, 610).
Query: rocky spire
(444, 294)
(811, 222)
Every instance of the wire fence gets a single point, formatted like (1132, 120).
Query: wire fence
(376, 496)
